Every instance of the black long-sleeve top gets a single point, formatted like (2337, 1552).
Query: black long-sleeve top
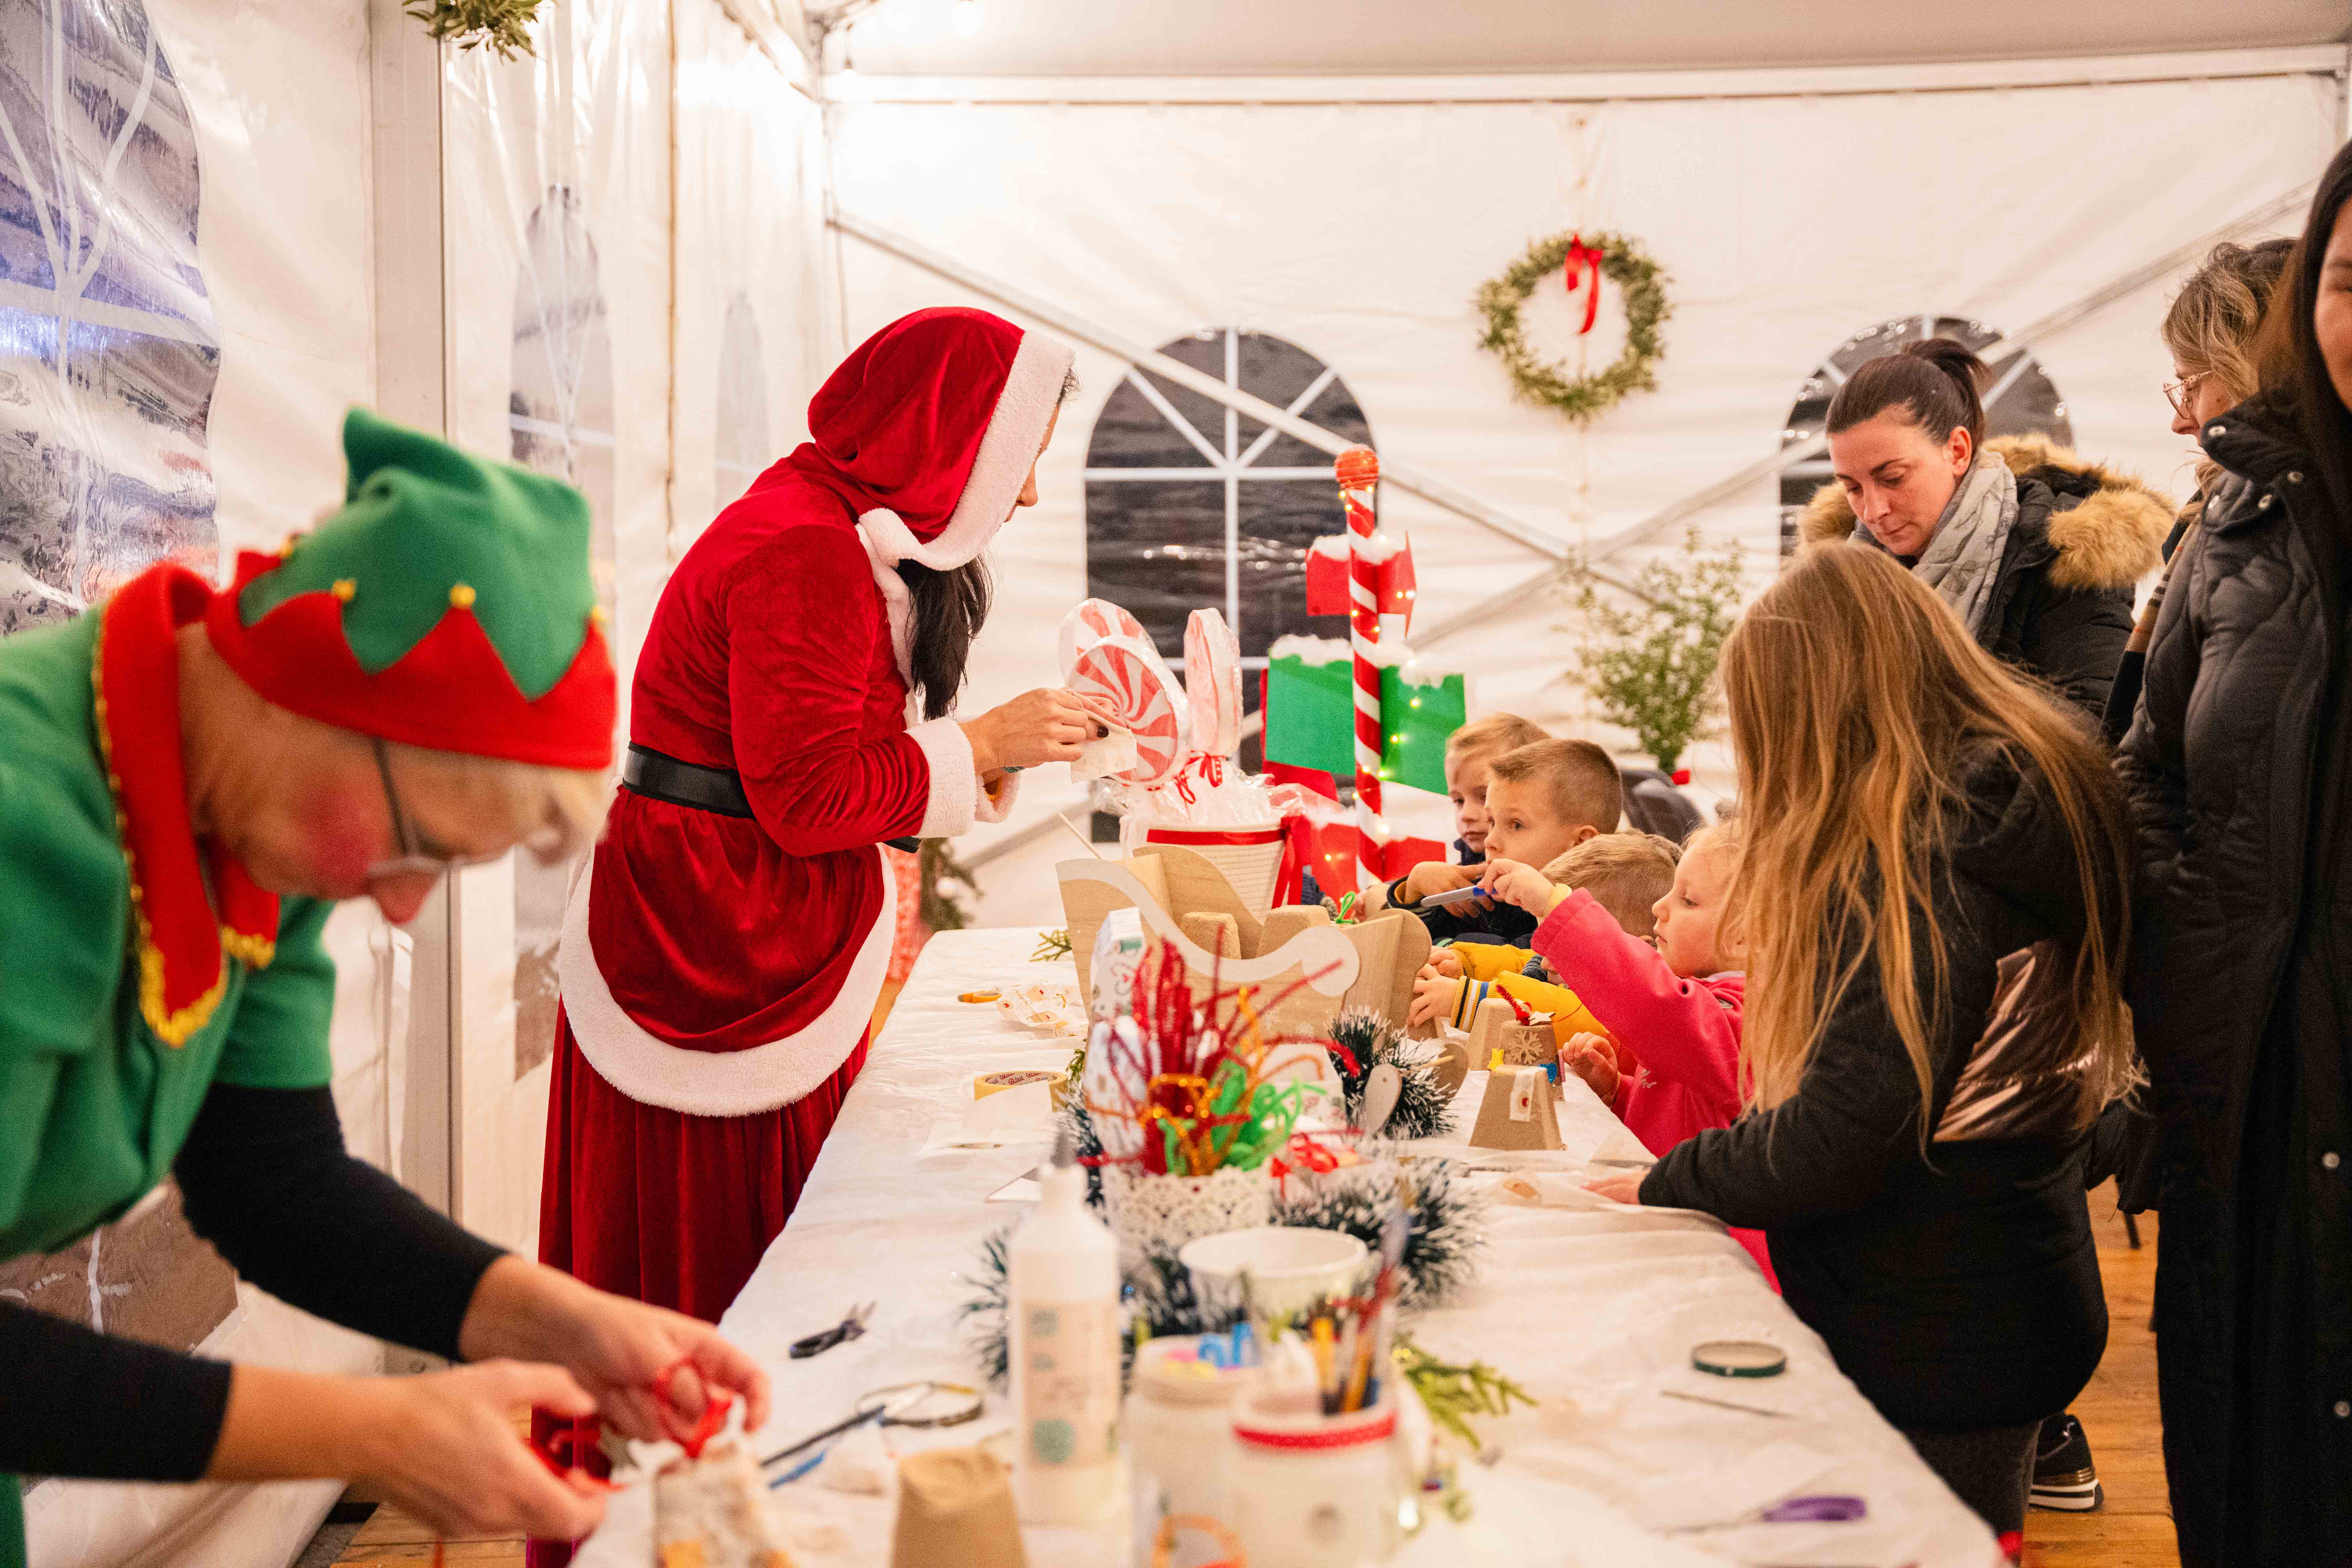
(266, 1179)
(1957, 1283)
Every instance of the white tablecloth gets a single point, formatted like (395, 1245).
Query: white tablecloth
(1593, 1310)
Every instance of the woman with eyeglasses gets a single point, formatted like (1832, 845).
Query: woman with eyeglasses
(2210, 331)
(2239, 761)
(190, 779)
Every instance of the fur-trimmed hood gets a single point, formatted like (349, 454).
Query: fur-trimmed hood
(2111, 537)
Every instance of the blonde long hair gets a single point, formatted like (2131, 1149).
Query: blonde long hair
(1857, 703)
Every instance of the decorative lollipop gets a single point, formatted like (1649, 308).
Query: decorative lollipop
(1212, 683)
(1107, 654)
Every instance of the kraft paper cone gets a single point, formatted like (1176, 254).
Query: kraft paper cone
(955, 1511)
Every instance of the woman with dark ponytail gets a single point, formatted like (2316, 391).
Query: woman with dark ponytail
(721, 957)
(2036, 549)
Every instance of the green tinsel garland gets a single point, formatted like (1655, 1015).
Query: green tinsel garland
(1581, 398)
(1424, 1109)
(1448, 1232)
(503, 24)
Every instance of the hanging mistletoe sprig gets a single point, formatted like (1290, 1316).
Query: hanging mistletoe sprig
(1638, 278)
(503, 24)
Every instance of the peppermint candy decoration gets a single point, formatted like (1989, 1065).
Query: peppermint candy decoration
(1212, 683)
(1107, 654)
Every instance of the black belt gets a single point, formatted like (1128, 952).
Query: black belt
(720, 791)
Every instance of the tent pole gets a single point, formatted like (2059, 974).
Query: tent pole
(1427, 485)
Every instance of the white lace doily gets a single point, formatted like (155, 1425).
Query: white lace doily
(1160, 1213)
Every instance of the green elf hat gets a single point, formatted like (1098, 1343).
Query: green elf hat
(448, 604)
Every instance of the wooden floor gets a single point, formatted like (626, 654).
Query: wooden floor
(2118, 1411)
(2118, 1414)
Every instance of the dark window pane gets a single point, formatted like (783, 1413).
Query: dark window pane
(1158, 548)
(1279, 520)
(1131, 433)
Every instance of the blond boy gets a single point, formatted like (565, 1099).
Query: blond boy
(1542, 800)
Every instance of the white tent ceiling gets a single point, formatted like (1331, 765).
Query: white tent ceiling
(1224, 37)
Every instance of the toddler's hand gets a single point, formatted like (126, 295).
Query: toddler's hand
(1434, 996)
(1519, 884)
(1437, 877)
(1592, 1059)
(1443, 961)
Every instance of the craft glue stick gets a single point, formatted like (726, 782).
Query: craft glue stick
(1063, 1272)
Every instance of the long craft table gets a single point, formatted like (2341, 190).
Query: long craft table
(1592, 1308)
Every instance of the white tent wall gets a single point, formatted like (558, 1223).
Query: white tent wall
(1361, 230)
(278, 93)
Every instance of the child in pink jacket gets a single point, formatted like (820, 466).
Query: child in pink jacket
(1675, 1008)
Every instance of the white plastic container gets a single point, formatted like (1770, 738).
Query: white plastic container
(1062, 1271)
(1317, 1491)
(1179, 1443)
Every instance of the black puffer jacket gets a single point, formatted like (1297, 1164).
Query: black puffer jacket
(1959, 1289)
(2085, 535)
(2239, 763)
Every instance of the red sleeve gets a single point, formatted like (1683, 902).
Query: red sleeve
(804, 624)
(1681, 1032)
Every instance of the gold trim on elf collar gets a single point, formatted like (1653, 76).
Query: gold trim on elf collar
(174, 1029)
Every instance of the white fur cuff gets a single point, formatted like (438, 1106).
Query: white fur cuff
(955, 786)
(996, 805)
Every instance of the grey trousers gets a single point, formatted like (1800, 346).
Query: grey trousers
(1990, 1469)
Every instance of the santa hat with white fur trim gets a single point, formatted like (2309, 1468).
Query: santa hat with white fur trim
(930, 428)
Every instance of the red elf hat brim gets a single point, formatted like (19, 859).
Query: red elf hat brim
(451, 693)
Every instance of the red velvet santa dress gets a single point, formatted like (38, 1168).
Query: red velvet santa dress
(719, 972)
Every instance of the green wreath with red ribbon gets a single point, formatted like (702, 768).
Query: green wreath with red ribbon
(1574, 257)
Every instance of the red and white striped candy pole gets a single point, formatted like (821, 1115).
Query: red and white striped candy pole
(1359, 471)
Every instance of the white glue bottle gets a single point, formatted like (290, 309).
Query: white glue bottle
(1062, 1271)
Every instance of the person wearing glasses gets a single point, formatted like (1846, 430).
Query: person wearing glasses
(190, 779)
(2211, 332)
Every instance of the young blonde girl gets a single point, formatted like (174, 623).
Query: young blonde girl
(1665, 1011)
(1932, 886)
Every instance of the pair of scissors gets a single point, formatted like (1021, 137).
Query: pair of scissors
(848, 1328)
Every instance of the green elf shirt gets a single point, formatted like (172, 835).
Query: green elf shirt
(138, 966)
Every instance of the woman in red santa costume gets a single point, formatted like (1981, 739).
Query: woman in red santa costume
(722, 956)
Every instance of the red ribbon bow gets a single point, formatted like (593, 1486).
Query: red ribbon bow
(1582, 258)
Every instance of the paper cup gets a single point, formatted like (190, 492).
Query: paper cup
(1249, 854)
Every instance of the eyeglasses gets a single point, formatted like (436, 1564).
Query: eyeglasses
(418, 857)
(2178, 393)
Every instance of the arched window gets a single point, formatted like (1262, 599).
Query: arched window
(1190, 504)
(560, 413)
(742, 425)
(108, 352)
(2020, 399)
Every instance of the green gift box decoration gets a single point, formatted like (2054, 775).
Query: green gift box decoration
(1310, 712)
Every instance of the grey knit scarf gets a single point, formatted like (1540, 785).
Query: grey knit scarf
(1962, 560)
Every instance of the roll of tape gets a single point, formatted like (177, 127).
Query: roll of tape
(990, 1083)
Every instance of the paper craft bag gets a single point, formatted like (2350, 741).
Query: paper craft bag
(955, 1511)
(1516, 1112)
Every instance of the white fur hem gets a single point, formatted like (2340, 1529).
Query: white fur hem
(719, 1083)
(1016, 430)
(955, 787)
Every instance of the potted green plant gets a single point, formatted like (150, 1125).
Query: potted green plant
(1650, 663)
